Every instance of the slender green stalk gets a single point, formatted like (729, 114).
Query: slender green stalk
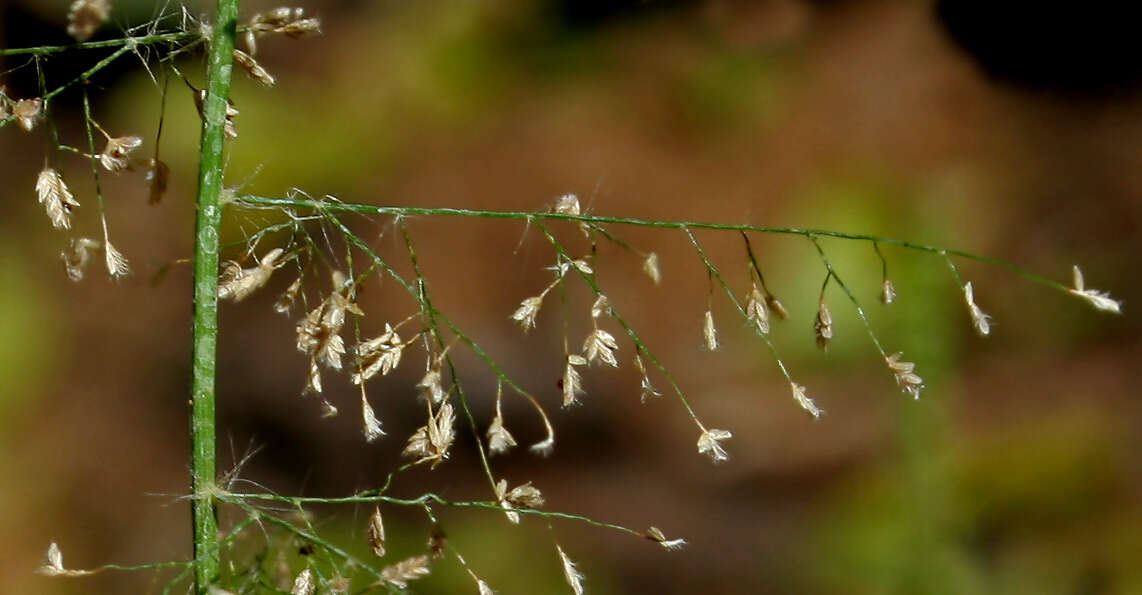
(209, 215)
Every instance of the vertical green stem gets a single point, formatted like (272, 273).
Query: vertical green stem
(209, 215)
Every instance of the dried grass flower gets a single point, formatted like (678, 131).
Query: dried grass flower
(237, 283)
(500, 439)
(252, 68)
(572, 383)
(656, 535)
(601, 306)
(568, 204)
(756, 310)
(409, 569)
(805, 402)
(823, 326)
(651, 268)
(776, 306)
(600, 346)
(117, 266)
(574, 577)
(372, 425)
(710, 332)
(380, 355)
(709, 443)
(28, 112)
(85, 16)
(77, 255)
(288, 297)
(887, 292)
(116, 155)
(647, 389)
(906, 378)
(527, 312)
(524, 496)
(57, 199)
(981, 321)
(304, 584)
(1101, 300)
(432, 441)
(376, 532)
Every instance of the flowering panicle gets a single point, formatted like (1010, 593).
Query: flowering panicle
(805, 402)
(85, 16)
(525, 496)
(572, 574)
(526, 313)
(709, 443)
(237, 283)
(380, 355)
(656, 535)
(430, 443)
(1099, 299)
(709, 331)
(908, 381)
(981, 321)
(376, 533)
(57, 199)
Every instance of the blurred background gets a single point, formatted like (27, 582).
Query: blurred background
(1016, 135)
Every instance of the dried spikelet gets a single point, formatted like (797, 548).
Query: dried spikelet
(372, 425)
(53, 563)
(568, 204)
(601, 306)
(572, 383)
(376, 533)
(1099, 299)
(483, 587)
(601, 345)
(906, 378)
(525, 496)
(327, 409)
(710, 332)
(28, 112)
(304, 584)
(544, 447)
(776, 307)
(77, 255)
(646, 387)
(981, 321)
(230, 128)
(656, 535)
(887, 292)
(318, 335)
(313, 379)
(291, 22)
(252, 68)
(572, 574)
(85, 16)
(499, 439)
(437, 542)
(709, 444)
(755, 309)
(5, 111)
(237, 283)
(158, 174)
(381, 354)
(431, 387)
(526, 313)
(431, 442)
(650, 267)
(804, 401)
(288, 297)
(399, 574)
(57, 199)
(117, 265)
(823, 326)
(578, 264)
(116, 155)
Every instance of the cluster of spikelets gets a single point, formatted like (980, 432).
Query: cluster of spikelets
(119, 152)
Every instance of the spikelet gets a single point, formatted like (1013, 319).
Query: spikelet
(756, 311)
(380, 355)
(908, 381)
(804, 401)
(981, 321)
(601, 346)
(237, 283)
(77, 255)
(57, 199)
(304, 584)
(656, 535)
(28, 112)
(500, 440)
(399, 574)
(709, 443)
(117, 266)
(432, 441)
(526, 313)
(376, 533)
(568, 204)
(252, 68)
(117, 154)
(887, 292)
(1100, 300)
(372, 425)
(525, 496)
(823, 326)
(85, 16)
(572, 574)
(651, 268)
(572, 383)
(709, 331)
